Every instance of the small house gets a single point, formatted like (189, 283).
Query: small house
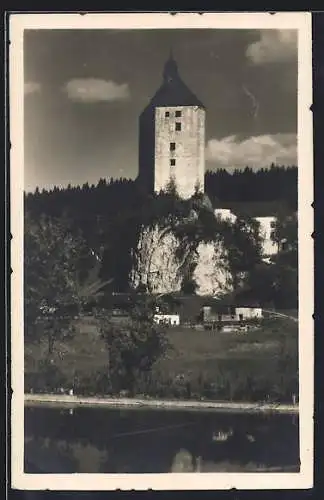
(222, 312)
(167, 319)
(218, 312)
(118, 315)
(246, 312)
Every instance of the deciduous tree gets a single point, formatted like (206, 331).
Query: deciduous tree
(243, 243)
(55, 284)
(133, 345)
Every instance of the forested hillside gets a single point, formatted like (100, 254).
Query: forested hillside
(111, 216)
(223, 188)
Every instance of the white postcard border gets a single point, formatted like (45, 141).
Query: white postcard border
(300, 21)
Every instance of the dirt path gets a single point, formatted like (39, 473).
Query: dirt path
(220, 406)
(281, 315)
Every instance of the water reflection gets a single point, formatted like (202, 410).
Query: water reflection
(183, 462)
(141, 441)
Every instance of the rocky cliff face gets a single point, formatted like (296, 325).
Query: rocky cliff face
(211, 273)
(159, 267)
(155, 263)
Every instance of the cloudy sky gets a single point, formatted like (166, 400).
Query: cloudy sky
(84, 91)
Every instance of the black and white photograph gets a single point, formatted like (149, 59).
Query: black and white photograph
(162, 289)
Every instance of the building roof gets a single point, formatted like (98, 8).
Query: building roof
(241, 298)
(225, 307)
(173, 91)
(254, 209)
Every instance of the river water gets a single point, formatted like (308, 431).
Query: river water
(88, 440)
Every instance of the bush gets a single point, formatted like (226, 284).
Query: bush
(88, 384)
(47, 378)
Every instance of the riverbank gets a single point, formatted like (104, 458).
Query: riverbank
(71, 401)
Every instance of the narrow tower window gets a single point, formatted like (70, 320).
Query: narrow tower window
(178, 114)
(167, 114)
(178, 126)
(172, 146)
(172, 162)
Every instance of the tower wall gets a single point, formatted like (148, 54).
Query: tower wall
(189, 152)
(146, 150)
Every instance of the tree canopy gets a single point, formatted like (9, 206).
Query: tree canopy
(133, 345)
(110, 215)
(57, 268)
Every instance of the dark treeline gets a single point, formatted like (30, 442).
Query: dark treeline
(115, 195)
(271, 184)
(106, 197)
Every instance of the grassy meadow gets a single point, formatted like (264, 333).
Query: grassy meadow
(259, 364)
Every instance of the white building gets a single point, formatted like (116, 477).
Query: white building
(167, 319)
(231, 313)
(225, 214)
(246, 312)
(267, 224)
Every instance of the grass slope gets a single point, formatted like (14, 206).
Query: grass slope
(263, 360)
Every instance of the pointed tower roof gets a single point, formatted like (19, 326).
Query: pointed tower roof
(173, 91)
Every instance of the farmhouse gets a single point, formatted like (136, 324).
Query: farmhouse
(208, 310)
(167, 319)
(229, 313)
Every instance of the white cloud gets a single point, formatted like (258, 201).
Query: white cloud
(94, 90)
(255, 152)
(273, 46)
(31, 88)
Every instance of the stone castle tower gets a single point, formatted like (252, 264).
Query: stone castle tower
(172, 137)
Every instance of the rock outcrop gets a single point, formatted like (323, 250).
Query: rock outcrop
(211, 273)
(160, 267)
(155, 261)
